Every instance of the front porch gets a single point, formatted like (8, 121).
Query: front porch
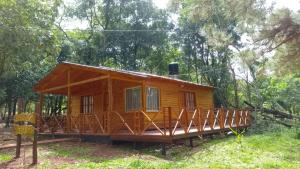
(186, 125)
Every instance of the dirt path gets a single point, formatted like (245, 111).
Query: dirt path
(65, 153)
(6, 137)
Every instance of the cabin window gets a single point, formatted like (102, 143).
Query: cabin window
(133, 99)
(152, 99)
(190, 101)
(87, 103)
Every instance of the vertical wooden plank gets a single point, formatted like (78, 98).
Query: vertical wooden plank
(69, 102)
(186, 120)
(170, 121)
(36, 126)
(34, 146)
(221, 117)
(164, 121)
(144, 104)
(135, 128)
(139, 117)
(199, 119)
(110, 103)
(18, 147)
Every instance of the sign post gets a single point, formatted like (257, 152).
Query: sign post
(25, 125)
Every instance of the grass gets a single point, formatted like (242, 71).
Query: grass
(5, 157)
(275, 149)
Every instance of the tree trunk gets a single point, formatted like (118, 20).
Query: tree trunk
(14, 107)
(9, 106)
(235, 86)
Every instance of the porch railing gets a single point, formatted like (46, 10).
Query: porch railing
(200, 120)
(164, 123)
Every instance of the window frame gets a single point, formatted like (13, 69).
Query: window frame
(159, 99)
(125, 99)
(86, 104)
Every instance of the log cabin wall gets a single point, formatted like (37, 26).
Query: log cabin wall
(171, 95)
(95, 89)
(119, 87)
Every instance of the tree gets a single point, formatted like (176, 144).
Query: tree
(121, 33)
(27, 41)
(282, 34)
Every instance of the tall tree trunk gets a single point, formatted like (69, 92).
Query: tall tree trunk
(9, 106)
(248, 89)
(196, 66)
(14, 107)
(235, 87)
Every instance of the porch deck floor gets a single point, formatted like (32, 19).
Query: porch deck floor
(152, 135)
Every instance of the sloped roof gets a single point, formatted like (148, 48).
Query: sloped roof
(103, 69)
(138, 74)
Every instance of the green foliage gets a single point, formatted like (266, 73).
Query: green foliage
(281, 35)
(133, 34)
(239, 135)
(5, 157)
(281, 93)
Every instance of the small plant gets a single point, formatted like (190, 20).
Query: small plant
(239, 135)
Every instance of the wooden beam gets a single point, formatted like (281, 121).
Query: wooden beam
(69, 102)
(127, 79)
(110, 104)
(144, 104)
(74, 84)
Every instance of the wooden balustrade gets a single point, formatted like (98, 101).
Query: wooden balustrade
(141, 123)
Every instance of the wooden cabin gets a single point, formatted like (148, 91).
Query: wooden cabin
(133, 106)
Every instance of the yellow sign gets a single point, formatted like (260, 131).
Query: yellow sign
(25, 117)
(26, 129)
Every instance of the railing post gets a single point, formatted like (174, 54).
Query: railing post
(164, 120)
(199, 119)
(170, 121)
(222, 119)
(186, 120)
(110, 104)
(134, 122)
(211, 118)
(139, 118)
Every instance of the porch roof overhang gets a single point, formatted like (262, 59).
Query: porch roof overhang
(57, 81)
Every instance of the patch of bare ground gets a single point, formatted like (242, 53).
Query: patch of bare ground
(108, 151)
(25, 160)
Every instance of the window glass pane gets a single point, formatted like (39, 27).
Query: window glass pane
(133, 99)
(189, 101)
(152, 99)
(87, 104)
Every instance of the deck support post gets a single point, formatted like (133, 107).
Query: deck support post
(163, 149)
(135, 145)
(191, 142)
